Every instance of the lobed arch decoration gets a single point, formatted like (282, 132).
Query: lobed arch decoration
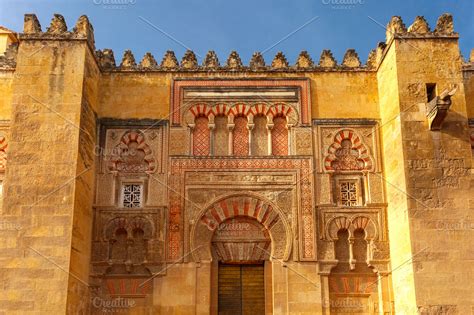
(132, 154)
(128, 244)
(348, 153)
(351, 224)
(300, 87)
(232, 110)
(129, 225)
(247, 205)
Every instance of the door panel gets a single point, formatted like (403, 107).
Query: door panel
(230, 290)
(253, 291)
(241, 290)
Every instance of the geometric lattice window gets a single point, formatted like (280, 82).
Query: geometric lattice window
(132, 195)
(348, 193)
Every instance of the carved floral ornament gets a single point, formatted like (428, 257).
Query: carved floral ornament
(132, 154)
(241, 109)
(347, 153)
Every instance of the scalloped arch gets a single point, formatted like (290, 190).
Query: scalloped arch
(123, 150)
(363, 158)
(240, 109)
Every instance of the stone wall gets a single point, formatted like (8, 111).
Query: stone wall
(73, 112)
(43, 179)
(432, 169)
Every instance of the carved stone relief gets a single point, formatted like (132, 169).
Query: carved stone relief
(202, 180)
(240, 210)
(179, 141)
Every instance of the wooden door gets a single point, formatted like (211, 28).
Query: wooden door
(241, 290)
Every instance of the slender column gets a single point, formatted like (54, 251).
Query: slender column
(231, 139)
(352, 261)
(212, 128)
(269, 138)
(250, 128)
(191, 138)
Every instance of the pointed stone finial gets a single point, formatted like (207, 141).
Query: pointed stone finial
(169, 60)
(106, 59)
(211, 61)
(371, 60)
(189, 60)
(327, 60)
(128, 60)
(31, 24)
(379, 52)
(395, 26)
(84, 29)
(257, 61)
(351, 59)
(148, 61)
(234, 62)
(419, 26)
(304, 60)
(445, 24)
(471, 56)
(279, 62)
(58, 25)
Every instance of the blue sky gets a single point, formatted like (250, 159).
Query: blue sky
(242, 25)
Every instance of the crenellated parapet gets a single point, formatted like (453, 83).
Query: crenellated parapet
(233, 63)
(83, 30)
(420, 28)
(58, 30)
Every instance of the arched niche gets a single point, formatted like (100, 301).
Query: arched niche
(251, 206)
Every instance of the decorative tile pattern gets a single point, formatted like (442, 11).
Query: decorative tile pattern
(279, 136)
(241, 137)
(201, 136)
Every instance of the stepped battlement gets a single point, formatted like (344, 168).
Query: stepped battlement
(83, 30)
